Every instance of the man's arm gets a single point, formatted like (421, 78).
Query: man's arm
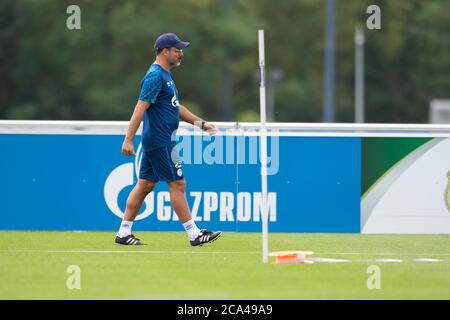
(135, 122)
(191, 118)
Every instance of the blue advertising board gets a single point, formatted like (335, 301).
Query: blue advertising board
(81, 182)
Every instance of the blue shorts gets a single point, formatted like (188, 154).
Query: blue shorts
(162, 164)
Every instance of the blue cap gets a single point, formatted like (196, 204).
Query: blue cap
(168, 40)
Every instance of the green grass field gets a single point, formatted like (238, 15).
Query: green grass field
(33, 265)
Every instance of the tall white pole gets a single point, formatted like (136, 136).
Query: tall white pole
(329, 92)
(263, 147)
(359, 74)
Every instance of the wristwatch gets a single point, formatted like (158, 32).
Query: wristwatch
(203, 123)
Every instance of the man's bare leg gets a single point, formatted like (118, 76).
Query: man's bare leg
(136, 198)
(178, 199)
(134, 203)
(179, 204)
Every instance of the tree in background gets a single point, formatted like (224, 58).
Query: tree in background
(50, 72)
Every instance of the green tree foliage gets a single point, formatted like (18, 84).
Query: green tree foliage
(50, 72)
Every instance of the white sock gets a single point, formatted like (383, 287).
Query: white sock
(125, 228)
(191, 229)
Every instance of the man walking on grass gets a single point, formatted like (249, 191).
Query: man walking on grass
(161, 112)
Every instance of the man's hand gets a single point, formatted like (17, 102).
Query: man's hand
(128, 147)
(210, 128)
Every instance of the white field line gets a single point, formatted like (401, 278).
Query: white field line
(129, 251)
(423, 256)
(214, 252)
(423, 260)
(386, 254)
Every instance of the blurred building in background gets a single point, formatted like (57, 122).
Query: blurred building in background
(440, 111)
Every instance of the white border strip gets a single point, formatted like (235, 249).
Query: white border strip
(232, 128)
